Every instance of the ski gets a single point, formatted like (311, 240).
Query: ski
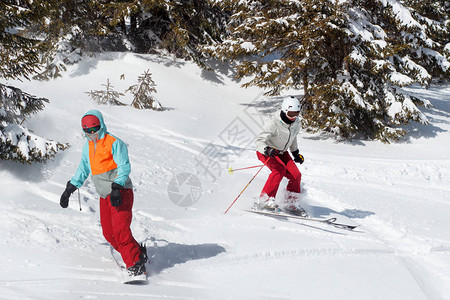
(330, 221)
(125, 278)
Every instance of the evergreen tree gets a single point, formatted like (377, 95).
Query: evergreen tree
(352, 59)
(107, 96)
(142, 93)
(19, 58)
(19, 53)
(142, 26)
(177, 26)
(17, 142)
(72, 29)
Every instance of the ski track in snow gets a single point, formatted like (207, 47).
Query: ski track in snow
(408, 248)
(401, 250)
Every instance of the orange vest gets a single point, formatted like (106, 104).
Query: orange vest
(100, 156)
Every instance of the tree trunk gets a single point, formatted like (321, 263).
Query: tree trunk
(305, 80)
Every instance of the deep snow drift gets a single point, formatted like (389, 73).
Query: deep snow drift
(398, 194)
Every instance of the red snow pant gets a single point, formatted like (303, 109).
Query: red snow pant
(281, 166)
(116, 223)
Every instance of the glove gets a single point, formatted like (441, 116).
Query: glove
(64, 201)
(271, 152)
(298, 157)
(115, 196)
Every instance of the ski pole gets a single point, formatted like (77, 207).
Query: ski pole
(79, 198)
(231, 170)
(247, 185)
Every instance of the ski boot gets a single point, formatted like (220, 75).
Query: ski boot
(267, 204)
(295, 210)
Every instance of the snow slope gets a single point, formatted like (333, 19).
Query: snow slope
(398, 194)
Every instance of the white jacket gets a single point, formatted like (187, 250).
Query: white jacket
(279, 135)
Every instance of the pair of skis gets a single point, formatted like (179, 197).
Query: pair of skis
(280, 214)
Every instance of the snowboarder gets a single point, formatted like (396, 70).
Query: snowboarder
(272, 145)
(106, 158)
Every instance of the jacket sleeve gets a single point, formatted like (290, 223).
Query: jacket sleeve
(84, 168)
(263, 138)
(120, 156)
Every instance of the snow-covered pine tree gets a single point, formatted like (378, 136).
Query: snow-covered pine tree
(190, 23)
(351, 57)
(19, 54)
(392, 46)
(142, 93)
(72, 29)
(431, 36)
(142, 26)
(19, 58)
(107, 96)
(17, 142)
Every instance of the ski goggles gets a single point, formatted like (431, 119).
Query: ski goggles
(293, 114)
(92, 129)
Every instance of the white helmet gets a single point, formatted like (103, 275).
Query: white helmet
(290, 104)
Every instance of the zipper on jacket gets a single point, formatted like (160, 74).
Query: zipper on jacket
(289, 129)
(95, 148)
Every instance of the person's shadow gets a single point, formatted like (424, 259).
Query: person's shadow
(165, 256)
(324, 212)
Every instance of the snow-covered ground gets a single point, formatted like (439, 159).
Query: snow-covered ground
(399, 194)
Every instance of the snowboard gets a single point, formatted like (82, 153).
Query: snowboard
(125, 278)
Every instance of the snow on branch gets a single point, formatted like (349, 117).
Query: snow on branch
(15, 104)
(352, 59)
(17, 142)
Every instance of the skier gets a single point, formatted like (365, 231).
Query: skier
(106, 158)
(272, 145)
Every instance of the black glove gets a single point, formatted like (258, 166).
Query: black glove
(298, 157)
(64, 201)
(115, 196)
(271, 152)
